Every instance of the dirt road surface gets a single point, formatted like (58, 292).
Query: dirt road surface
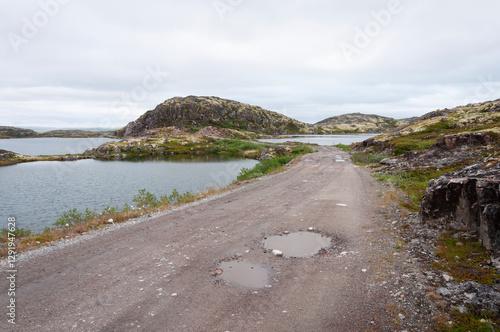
(158, 275)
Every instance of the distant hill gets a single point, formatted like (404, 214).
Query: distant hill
(13, 132)
(76, 133)
(357, 122)
(198, 112)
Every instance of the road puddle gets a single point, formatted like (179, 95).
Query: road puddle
(300, 244)
(244, 274)
(339, 159)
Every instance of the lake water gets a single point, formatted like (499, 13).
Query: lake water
(51, 145)
(323, 139)
(37, 193)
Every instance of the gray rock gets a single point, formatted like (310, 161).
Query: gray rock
(481, 297)
(444, 291)
(389, 161)
(467, 200)
(277, 252)
(447, 277)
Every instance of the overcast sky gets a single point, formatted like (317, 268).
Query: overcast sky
(88, 63)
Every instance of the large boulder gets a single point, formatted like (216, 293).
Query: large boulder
(469, 200)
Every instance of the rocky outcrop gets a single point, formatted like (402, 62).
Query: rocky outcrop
(468, 199)
(193, 111)
(452, 149)
(4, 154)
(469, 139)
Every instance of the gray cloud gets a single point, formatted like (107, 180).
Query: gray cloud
(89, 63)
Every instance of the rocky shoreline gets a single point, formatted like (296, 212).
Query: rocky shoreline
(11, 158)
(168, 141)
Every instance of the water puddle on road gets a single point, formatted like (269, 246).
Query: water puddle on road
(339, 159)
(244, 274)
(300, 244)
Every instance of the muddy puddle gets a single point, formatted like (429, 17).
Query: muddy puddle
(244, 274)
(300, 244)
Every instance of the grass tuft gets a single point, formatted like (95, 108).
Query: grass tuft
(464, 259)
(365, 158)
(471, 321)
(344, 147)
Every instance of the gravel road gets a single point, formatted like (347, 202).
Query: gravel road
(159, 274)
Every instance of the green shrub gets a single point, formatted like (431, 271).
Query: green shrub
(17, 233)
(70, 218)
(174, 196)
(108, 211)
(145, 199)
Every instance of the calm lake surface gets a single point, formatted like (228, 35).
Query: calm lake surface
(37, 193)
(51, 145)
(323, 139)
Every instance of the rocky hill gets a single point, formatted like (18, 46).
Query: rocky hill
(198, 112)
(461, 146)
(363, 123)
(13, 132)
(441, 129)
